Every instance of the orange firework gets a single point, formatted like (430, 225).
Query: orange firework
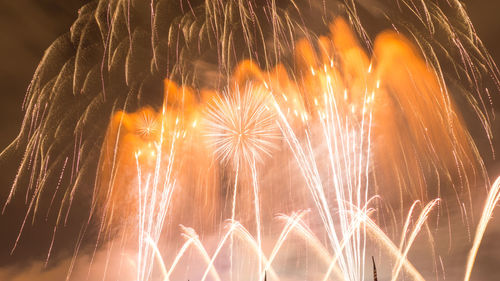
(354, 127)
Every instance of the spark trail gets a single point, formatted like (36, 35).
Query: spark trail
(298, 117)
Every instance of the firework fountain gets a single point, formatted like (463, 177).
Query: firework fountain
(304, 150)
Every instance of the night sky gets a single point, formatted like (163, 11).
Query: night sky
(28, 27)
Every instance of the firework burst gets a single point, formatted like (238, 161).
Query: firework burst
(353, 120)
(241, 126)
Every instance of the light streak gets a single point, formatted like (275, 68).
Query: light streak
(489, 206)
(318, 114)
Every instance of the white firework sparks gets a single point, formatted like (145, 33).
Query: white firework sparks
(241, 126)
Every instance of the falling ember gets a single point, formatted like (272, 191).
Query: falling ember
(298, 169)
(335, 120)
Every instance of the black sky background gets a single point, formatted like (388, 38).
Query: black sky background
(28, 27)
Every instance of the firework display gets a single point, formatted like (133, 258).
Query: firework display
(261, 140)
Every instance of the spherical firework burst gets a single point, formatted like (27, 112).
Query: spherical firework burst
(241, 126)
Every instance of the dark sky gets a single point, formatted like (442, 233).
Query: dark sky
(28, 27)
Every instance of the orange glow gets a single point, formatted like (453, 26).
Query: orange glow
(417, 141)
